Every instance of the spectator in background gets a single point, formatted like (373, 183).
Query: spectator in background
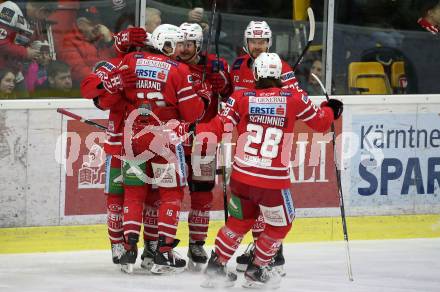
(15, 36)
(88, 43)
(430, 16)
(7, 83)
(36, 73)
(195, 15)
(59, 82)
(312, 86)
(152, 19)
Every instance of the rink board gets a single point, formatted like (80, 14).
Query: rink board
(92, 237)
(390, 174)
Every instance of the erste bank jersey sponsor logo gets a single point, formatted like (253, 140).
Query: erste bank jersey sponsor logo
(268, 106)
(153, 70)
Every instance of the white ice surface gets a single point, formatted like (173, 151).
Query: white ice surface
(389, 265)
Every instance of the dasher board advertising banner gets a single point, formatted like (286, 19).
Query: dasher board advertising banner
(313, 178)
(397, 165)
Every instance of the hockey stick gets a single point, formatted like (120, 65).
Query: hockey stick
(78, 118)
(208, 43)
(310, 39)
(341, 197)
(222, 145)
(216, 41)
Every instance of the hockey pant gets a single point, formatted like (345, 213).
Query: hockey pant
(201, 181)
(245, 205)
(154, 160)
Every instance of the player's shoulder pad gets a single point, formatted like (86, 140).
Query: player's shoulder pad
(172, 62)
(237, 63)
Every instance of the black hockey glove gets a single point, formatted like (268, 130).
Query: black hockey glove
(336, 105)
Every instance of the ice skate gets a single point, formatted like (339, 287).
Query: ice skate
(217, 275)
(128, 258)
(245, 258)
(117, 251)
(278, 262)
(168, 261)
(147, 256)
(197, 256)
(261, 277)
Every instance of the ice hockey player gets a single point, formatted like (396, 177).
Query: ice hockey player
(265, 118)
(258, 39)
(202, 181)
(164, 92)
(107, 96)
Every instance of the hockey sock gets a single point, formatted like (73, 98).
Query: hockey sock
(198, 217)
(265, 249)
(229, 237)
(114, 218)
(171, 200)
(150, 217)
(269, 242)
(133, 206)
(258, 227)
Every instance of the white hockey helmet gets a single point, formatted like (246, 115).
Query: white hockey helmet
(193, 32)
(12, 16)
(257, 30)
(166, 34)
(267, 65)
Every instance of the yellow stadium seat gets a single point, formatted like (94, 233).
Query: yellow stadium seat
(367, 78)
(300, 9)
(398, 76)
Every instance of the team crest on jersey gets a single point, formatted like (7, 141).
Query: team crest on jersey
(287, 76)
(237, 64)
(152, 73)
(230, 101)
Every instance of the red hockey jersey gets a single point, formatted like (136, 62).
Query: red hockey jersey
(91, 88)
(265, 121)
(164, 87)
(242, 76)
(197, 73)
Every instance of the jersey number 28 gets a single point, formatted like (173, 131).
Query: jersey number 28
(269, 144)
